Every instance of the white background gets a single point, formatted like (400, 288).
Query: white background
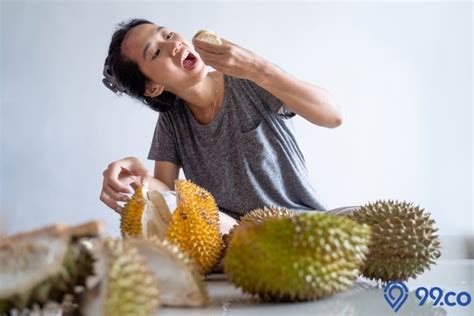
(401, 71)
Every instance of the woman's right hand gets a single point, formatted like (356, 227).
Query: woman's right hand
(118, 177)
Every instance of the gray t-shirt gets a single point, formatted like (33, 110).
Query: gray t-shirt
(247, 157)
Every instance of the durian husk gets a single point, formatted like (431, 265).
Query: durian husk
(194, 227)
(145, 215)
(179, 280)
(298, 258)
(404, 241)
(122, 285)
(44, 264)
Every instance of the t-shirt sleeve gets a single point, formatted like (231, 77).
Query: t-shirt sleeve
(274, 104)
(163, 146)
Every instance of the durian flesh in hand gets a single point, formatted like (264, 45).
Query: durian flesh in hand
(404, 240)
(298, 258)
(179, 281)
(123, 284)
(194, 227)
(145, 215)
(208, 36)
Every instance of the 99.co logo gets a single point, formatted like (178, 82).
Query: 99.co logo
(436, 294)
(396, 294)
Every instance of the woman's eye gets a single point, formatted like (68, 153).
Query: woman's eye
(170, 35)
(157, 53)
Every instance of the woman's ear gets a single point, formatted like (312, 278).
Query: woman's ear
(153, 89)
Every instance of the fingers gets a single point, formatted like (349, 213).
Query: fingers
(107, 200)
(115, 195)
(138, 169)
(118, 177)
(209, 58)
(110, 197)
(111, 176)
(211, 48)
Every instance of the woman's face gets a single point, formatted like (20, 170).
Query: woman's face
(159, 52)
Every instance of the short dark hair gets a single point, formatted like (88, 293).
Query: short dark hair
(129, 75)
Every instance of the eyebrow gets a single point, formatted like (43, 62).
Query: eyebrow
(158, 29)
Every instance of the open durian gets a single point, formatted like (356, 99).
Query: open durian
(145, 215)
(44, 264)
(122, 284)
(179, 281)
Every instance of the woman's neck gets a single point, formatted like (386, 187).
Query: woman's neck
(201, 95)
(204, 99)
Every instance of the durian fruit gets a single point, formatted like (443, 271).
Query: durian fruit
(404, 241)
(208, 36)
(145, 215)
(122, 285)
(44, 265)
(298, 258)
(179, 281)
(256, 216)
(259, 214)
(195, 225)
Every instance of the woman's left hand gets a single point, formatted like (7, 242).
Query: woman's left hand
(230, 58)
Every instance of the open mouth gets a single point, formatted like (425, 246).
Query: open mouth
(189, 60)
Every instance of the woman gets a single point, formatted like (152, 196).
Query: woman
(230, 130)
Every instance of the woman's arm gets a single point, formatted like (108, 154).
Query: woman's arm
(165, 174)
(309, 101)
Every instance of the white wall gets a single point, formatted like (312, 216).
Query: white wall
(402, 72)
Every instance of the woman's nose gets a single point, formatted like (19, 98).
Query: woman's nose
(175, 47)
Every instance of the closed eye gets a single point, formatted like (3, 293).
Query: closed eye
(169, 36)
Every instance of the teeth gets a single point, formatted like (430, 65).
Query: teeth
(185, 55)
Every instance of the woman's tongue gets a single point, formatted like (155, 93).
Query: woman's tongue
(189, 62)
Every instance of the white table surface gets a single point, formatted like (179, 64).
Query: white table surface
(363, 299)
